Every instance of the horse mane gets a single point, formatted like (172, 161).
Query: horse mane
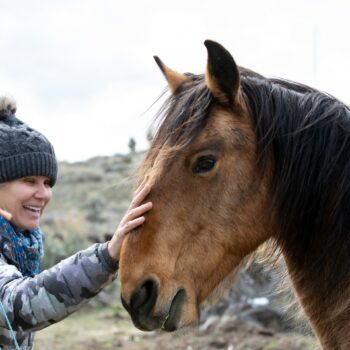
(305, 135)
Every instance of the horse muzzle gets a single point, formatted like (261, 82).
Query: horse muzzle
(142, 308)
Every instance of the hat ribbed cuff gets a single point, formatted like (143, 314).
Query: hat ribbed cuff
(28, 164)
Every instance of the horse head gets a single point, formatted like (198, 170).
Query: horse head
(209, 205)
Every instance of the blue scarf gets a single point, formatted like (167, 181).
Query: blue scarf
(24, 248)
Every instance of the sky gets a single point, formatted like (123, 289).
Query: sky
(82, 72)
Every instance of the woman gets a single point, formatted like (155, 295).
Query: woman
(31, 299)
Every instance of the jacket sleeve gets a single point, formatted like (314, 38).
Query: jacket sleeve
(37, 302)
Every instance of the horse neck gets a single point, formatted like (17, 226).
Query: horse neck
(329, 315)
(312, 194)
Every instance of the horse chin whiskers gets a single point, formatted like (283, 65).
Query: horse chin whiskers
(162, 327)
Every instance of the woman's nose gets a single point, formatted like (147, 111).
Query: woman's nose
(43, 192)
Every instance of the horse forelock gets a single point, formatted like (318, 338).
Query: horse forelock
(184, 114)
(179, 121)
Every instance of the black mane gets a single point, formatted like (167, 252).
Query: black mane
(306, 134)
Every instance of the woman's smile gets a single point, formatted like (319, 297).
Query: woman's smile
(26, 199)
(33, 209)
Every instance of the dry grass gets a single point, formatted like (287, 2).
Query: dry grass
(86, 329)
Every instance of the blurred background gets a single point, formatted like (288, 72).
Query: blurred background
(82, 73)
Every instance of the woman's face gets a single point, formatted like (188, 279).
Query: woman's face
(26, 199)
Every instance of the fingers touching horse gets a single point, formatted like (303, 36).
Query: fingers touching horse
(238, 159)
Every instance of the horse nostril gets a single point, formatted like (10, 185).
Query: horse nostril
(140, 296)
(144, 298)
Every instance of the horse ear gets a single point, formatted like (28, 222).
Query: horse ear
(173, 78)
(222, 76)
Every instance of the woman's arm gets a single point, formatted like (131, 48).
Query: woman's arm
(37, 302)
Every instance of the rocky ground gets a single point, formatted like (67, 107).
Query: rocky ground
(227, 334)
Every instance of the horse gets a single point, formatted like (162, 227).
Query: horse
(237, 160)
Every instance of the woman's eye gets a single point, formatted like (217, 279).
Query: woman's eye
(29, 180)
(204, 164)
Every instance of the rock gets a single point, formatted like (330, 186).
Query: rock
(218, 344)
(209, 324)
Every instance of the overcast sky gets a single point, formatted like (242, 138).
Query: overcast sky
(82, 71)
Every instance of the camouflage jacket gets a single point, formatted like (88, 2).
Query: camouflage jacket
(35, 303)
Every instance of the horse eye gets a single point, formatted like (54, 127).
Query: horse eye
(203, 164)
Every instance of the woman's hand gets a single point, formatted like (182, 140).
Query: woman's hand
(5, 214)
(131, 220)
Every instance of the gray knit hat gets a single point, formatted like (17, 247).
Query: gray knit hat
(23, 150)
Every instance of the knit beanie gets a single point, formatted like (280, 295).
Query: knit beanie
(23, 150)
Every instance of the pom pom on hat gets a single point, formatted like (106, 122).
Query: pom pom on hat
(23, 150)
(8, 106)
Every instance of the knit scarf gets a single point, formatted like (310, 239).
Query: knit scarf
(24, 248)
